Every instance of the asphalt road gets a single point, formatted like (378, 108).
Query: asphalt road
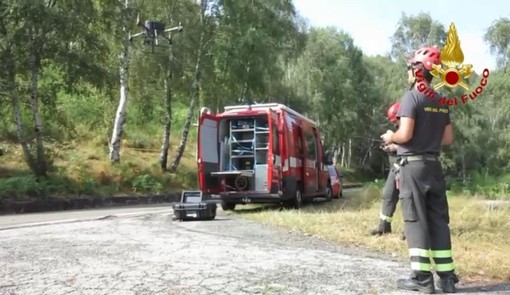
(142, 251)
(47, 218)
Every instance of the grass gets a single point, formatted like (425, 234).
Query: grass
(83, 168)
(480, 236)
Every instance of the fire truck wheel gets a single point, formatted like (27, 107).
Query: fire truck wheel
(298, 200)
(228, 206)
(329, 193)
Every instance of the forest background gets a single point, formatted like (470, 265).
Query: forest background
(84, 111)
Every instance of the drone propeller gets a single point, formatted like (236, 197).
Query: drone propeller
(178, 28)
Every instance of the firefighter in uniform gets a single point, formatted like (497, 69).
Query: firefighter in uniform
(424, 126)
(390, 191)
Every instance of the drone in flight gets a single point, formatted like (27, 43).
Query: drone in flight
(152, 30)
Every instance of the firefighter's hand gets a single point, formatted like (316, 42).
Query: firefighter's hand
(386, 137)
(390, 148)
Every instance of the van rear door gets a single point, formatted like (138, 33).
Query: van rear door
(207, 153)
(275, 160)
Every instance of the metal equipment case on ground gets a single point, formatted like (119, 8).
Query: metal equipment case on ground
(194, 207)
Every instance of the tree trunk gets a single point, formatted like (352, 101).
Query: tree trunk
(366, 157)
(40, 158)
(349, 157)
(246, 88)
(463, 165)
(120, 116)
(195, 96)
(20, 131)
(167, 109)
(9, 66)
(336, 154)
(342, 162)
(167, 124)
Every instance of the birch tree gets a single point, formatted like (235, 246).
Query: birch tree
(32, 41)
(167, 101)
(167, 114)
(120, 115)
(10, 88)
(195, 86)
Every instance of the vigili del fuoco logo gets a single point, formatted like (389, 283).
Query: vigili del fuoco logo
(452, 72)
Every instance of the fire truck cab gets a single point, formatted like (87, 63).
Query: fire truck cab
(262, 153)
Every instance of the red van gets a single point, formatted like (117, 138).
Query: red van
(261, 153)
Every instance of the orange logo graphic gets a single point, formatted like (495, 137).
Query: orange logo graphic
(452, 58)
(452, 72)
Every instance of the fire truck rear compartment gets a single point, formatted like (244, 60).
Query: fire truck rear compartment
(243, 148)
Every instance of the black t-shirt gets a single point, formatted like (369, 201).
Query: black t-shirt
(430, 118)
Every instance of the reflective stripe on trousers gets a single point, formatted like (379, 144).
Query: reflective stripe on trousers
(443, 260)
(420, 260)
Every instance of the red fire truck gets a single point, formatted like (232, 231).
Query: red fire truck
(261, 153)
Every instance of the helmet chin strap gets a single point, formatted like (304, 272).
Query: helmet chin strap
(412, 83)
(412, 80)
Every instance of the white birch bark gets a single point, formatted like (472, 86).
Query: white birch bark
(120, 115)
(36, 116)
(349, 158)
(344, 156)
(195, 97)
(167, 124)
(20, 127)
(195, 94)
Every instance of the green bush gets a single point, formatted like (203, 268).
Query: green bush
(147, 183)
(19, 187)
(187, 179)
(489, 186)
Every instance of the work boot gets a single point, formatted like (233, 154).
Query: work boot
(447, 283)
(421, 283)
(383, 228)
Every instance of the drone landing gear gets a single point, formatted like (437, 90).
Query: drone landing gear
(153, 43)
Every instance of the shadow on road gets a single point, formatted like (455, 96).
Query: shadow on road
(248, 209)
(198, 220)
(489, 288)
(353, 200)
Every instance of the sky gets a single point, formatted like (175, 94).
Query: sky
(372, 22)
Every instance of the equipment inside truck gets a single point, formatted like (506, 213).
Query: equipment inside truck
(244, 146)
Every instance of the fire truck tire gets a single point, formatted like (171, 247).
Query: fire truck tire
(228, 206)
(297, 201)
(329, 193)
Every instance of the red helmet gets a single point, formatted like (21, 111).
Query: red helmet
(427, 56)
(392, 112)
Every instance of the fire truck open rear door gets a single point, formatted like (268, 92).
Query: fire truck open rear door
(207, 154)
